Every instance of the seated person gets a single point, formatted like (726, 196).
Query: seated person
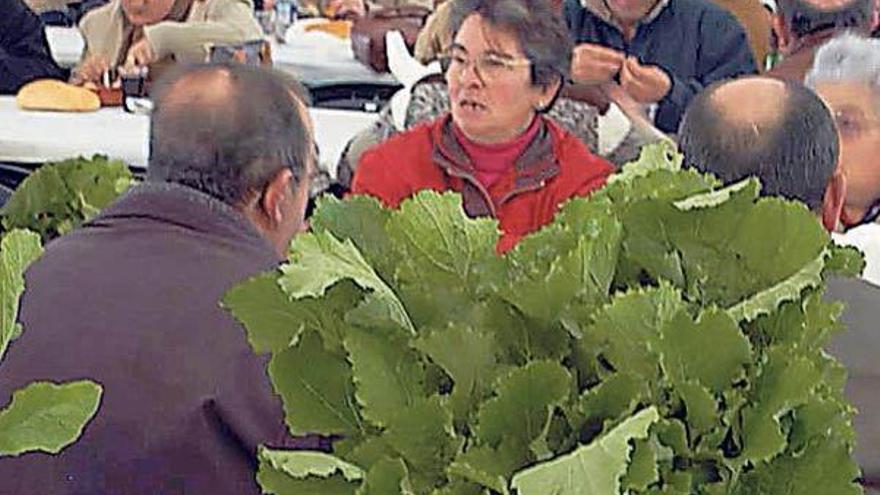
(780, 132)
(24, 51)
(134, 299)
(661, 52)
(846, 75)
(506, 65)
(156, 33)
(802, 26)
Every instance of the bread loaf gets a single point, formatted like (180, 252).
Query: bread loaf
(49, 94)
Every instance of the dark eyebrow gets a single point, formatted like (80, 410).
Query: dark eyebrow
(456, 46)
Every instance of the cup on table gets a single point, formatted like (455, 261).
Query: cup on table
(135, 90)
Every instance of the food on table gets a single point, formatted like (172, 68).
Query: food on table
(49, 94)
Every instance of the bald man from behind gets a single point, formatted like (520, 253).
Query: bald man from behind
(130, 300)
(781, 132)
(802, 26)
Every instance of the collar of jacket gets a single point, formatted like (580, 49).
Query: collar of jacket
(187, 208)
(534, 167)
(600, 10)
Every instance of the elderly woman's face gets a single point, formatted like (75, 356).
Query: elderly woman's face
(489, 82)
(854, 107)
(630, 11)
(145, 12)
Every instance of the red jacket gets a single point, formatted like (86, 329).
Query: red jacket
(555, 167)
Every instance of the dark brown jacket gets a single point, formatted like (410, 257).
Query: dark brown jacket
(131, 301)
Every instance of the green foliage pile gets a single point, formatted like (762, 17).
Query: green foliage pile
(58, 197)
(664, 336)
(42, 416)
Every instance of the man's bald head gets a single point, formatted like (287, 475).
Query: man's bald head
(226, 130)
(779, 132)
(804, 17)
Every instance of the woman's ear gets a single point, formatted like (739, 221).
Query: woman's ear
(548, 95)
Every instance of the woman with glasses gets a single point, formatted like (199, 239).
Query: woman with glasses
(507, 63)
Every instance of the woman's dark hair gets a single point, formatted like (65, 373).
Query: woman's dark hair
(228, 145)
(805, 17)
(539, 28)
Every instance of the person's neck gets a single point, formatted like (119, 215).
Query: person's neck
(499, 140)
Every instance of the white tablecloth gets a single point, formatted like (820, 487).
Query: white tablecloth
(37, 137)
(66, 45)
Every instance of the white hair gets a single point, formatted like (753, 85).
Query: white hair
(848, 58)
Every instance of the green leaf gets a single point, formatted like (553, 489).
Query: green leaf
(18, 250)
(57, 197)
(422, 435)
(701, 407)
(823, 468)
(591, 469)
(786, 382)
(643, 468)
(387, 477)
(844, 261)
(748, 187)
(766, 301)
(684, 343)
(520, 412)
(653, 157)
(319, 261)
(615, 397)
(388, 376)
(361, 219)
(488, 467)
(265, 311)
(628, 329)
(467, 355)
(305, 473)
(316, 389)
(47, 417)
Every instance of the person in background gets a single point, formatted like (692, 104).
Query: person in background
(846, 75)
(24, 51)
(157, 33)
(662, 52)
(506, 65)
(130, 300)
(782, 133)
(757, 20)
(802, 26)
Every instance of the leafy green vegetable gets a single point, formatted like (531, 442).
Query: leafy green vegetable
(18, 249)
(593, 469)
(663, 336)
(47, 417)
(57, 197)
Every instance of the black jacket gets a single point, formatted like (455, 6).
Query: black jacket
(131, 300)
(696, 42)
(24, 51)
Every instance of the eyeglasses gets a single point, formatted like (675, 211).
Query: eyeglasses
(489, 66)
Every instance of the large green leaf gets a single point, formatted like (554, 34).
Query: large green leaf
(388, 375)
(593, 469)
(18, 249)
(387, 477)
(319, 261)
(59, 196)
(284, 472)
(520, 412)
(684, 343)
(47, 417)
(316, 389)
(467, 355)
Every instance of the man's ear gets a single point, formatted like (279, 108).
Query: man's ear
(272, 200)
(832, 204)
(783, 40)
(875, 17)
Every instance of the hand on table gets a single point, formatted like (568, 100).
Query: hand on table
(595, 64)
(644, 83)
(90, 70)
(140, 54)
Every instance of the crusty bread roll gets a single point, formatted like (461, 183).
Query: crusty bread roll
(49, 94)
(340, 28)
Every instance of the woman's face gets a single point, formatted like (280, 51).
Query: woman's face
(858, 123)
(145, 12)
(489, 82)
(630, 11)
